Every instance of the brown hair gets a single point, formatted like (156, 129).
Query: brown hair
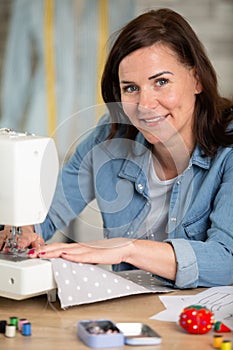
(212, 113)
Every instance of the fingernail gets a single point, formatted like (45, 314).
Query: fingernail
(31, 252)
(42, 253)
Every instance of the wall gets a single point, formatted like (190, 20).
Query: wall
(212, 21)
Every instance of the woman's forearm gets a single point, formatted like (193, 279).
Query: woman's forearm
(155, 257)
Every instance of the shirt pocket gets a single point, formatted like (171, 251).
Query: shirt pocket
(196, 227)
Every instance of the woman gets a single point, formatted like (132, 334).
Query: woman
(160, 166)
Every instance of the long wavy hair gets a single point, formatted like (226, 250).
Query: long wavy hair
(212, 113)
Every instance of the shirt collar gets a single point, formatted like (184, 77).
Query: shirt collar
(198, 158)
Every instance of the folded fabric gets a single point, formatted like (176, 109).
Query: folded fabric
(85, 283)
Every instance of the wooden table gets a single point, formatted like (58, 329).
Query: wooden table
(56, 329)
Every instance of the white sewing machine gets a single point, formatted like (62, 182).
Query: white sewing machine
(29, 168)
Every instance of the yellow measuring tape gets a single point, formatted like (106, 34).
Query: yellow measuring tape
(50, 76)
(103, 32)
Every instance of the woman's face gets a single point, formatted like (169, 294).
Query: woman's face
(158, 94)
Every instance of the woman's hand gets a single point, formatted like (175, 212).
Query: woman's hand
(155, 257)
(109, 251)
(27, 238)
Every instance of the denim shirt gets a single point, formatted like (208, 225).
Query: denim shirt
(114, 172)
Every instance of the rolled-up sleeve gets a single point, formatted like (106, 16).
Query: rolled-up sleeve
(187, 268)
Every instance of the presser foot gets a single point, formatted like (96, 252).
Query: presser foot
(12, 244)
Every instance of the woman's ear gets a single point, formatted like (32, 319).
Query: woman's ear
(198, 83)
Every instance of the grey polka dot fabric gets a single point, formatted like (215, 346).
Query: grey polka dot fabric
(85, 283)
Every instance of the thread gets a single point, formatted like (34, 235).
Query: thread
(217, 341)
(26, 329)
(14, 320)
(21, 322)
(226, 345)
(3, 324)
(10, 330)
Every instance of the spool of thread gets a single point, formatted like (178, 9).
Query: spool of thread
(226, 345)
(26, 329)
(14, 320)
(3, 324)
(21, 322)
(10, 331)
(217, 341)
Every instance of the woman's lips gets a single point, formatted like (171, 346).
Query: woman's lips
(154, 120)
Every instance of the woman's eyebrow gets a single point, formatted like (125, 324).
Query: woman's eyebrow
(159, 74)
(126, 82)
(150, 78)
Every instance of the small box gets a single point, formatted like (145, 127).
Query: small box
(136, 333)
(100, 333)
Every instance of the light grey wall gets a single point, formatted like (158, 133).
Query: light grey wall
(212, 21)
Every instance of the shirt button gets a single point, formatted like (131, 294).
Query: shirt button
(140, 187)
(178, 182)
(173, 219)
(129, 233)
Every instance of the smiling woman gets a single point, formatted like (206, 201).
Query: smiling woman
(159, 97)
(159, 164)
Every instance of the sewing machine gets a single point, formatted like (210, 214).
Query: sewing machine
(29, 168)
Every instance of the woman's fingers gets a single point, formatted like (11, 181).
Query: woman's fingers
(3, 239)
(24, 239)
(109, 251)
(5, 235)
(52, 250)
(30, 238)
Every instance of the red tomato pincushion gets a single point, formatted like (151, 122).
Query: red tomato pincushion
(196, 319)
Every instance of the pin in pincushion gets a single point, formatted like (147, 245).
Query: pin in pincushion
(196, 319)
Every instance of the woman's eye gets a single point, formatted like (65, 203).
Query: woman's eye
(130, 89)
(161, 82)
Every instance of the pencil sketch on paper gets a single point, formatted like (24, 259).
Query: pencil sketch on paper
(220, 301)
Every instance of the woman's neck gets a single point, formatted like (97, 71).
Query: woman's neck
(169, 162)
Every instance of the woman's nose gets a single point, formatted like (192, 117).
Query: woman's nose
(148, 99)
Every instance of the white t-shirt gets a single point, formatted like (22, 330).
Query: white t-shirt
(160, 194)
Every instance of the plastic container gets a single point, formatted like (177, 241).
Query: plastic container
(100, 333)
(139, 334)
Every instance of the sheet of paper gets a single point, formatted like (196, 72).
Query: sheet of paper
(85, 283)
(174, 305)
(218, 299)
